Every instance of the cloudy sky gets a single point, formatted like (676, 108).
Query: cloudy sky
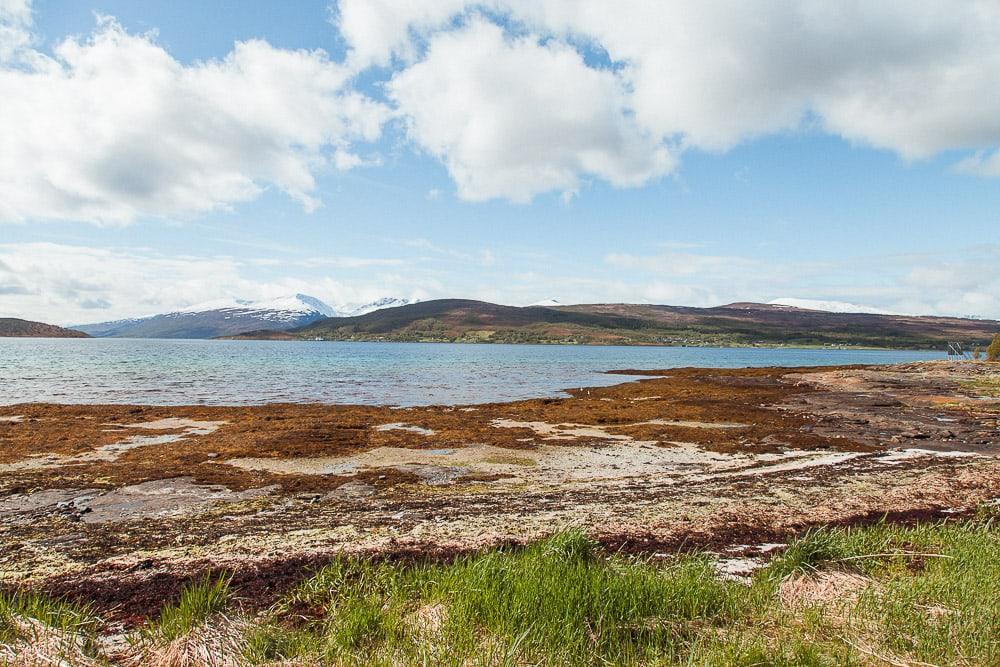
(159, 154)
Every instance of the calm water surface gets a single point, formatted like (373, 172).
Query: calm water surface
(179, 372)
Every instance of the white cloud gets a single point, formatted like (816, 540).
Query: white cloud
(15, 22)
(516, 117)
(67, 284)
(905, 76)
(512, 117)
(982, 163)
(112, 127)
(958, 282)
(62, 283)
(377, 30)
(515, 97)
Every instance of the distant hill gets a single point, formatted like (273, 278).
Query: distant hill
(462, 320)
(12, 327)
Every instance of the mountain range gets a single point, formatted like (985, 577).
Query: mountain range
(302, 317)
(229, 317)
(462, 320)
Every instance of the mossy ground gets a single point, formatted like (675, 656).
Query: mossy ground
(988, 385)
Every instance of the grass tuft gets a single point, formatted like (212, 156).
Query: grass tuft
(35, 629)
(56, 614)
(196, 604)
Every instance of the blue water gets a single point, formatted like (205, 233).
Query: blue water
(178, 372)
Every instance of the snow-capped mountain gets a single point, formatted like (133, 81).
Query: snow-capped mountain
(223, 317)
(228, 317)
(549, 303)
(353, 310)
(282, 308)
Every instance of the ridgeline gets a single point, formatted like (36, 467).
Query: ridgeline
(738, 324)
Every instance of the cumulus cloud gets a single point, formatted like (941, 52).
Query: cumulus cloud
(910, 77)
(903, 76)
(515, 97)
(381, 29)
(512, 117)
(111, 127)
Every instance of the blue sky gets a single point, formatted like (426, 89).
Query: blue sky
(739, 207)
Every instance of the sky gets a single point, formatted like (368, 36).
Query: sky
(154, 155)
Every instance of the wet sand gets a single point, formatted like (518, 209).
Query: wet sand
(120, 505)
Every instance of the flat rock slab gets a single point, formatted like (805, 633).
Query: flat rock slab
(40, 501)
(161, 498)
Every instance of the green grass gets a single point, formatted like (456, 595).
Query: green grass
(936, 591)
(927, 594)
(19, 610)
(934, 597)
(196, 604)
(558, 601)
(949, 610)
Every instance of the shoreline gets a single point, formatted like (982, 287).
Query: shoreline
(127, 503)
(295, 339)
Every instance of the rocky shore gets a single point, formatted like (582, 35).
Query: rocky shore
(121, 506)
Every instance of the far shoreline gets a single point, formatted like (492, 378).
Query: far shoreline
(296, 339)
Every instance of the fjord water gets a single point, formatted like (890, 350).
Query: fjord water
(181, 372)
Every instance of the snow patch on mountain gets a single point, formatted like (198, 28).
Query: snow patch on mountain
(829, 306)
(353, 310)
(301, 304)
(548, 303)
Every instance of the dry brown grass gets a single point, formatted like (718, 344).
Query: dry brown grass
(219, 642)
(427, 620)
(38, 644)
(826, 588)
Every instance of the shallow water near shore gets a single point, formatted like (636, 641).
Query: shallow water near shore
(209, 372)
